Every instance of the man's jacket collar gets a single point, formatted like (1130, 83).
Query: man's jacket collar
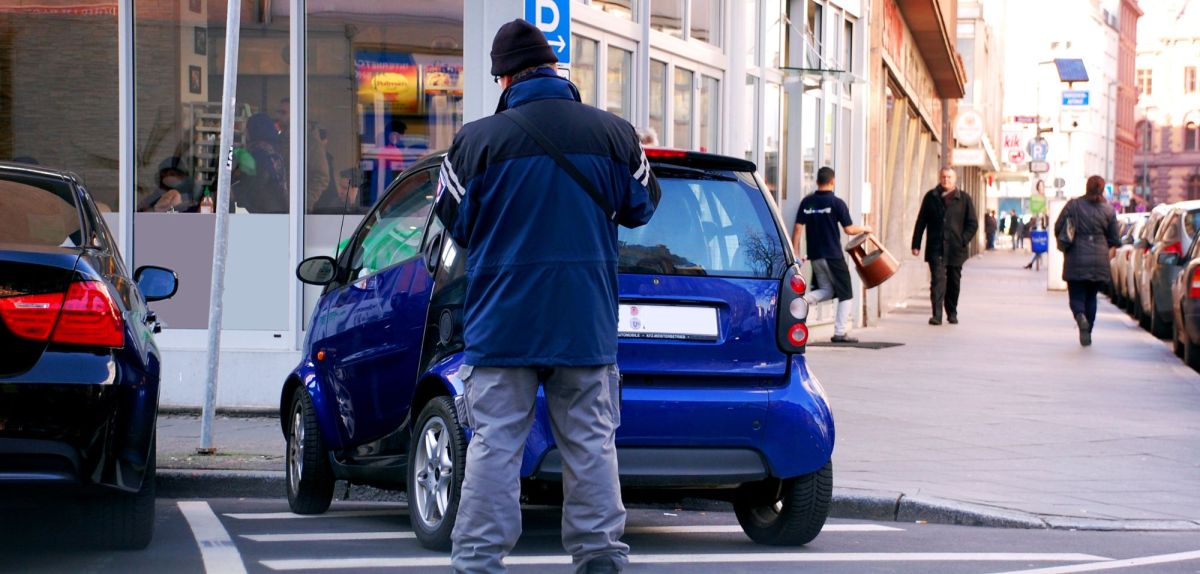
(543, 84)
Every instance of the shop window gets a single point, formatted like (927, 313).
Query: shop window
(751, 22)
(623, 8)
(706, 21)
(667, 16)
(658, 99)
(583, 67)
(619, 82)
(682, 113)
(814, 36)
(710, 114)
(58, 93)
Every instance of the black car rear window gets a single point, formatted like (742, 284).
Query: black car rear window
(706, 224)
(38, 211)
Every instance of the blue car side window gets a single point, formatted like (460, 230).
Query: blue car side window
(393, 231)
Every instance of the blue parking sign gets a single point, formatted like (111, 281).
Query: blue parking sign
(553, 18)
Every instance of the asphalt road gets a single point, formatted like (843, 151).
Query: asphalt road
(232, 536)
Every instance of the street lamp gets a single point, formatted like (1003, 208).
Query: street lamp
(1146, 146)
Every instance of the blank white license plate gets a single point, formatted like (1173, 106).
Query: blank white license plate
(667, 322)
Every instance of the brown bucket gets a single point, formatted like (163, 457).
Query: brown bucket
(874, 266)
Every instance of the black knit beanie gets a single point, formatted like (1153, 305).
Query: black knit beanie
(519, 45)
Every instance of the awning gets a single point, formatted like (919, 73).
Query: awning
(935, 39)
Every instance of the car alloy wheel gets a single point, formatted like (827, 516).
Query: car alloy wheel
(436, 461)
(310, 479)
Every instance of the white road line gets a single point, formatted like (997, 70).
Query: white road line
(216, 548)
(1113, 564)
(329, 536)
(444, 561)
(735, 529)
(334, 514)
(401, 535)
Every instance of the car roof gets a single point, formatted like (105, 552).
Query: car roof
(36, 170)
(1191, 205)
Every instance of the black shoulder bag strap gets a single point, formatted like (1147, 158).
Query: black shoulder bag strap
(518, 118)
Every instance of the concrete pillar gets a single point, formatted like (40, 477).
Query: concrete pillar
(481, 20)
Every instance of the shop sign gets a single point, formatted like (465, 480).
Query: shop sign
(1010, 140)
(1039, 166)
(553, 18)
(968, 157)
(968, 128)
(394, 83)
(1025, 119)
(1077, 98)
(1017, 156)
(444, 79)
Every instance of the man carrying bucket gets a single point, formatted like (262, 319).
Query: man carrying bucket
(820, 220)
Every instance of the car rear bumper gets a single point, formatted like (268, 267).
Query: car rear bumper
(75, 434)
(709, 436)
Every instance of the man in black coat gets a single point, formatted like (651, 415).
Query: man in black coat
(948, 221)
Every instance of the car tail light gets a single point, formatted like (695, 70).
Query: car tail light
(1194, 287)
(84, 315)
(792, 332)
(665, 153)
(1176, 248)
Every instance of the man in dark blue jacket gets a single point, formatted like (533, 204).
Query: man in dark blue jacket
(541, 302)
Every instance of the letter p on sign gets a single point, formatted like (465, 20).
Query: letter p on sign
(553, 18)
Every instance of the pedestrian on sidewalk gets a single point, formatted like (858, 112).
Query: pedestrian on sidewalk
(948, 221)
(1087, 235)
(1014, 231)
(540, 234)
(820, 221)
(989, 228)
(1038, 240)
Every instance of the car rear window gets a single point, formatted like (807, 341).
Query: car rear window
(38, 211)
(706, 225)
(1191, 222)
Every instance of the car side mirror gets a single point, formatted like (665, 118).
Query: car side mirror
(317, 270)
(433, 253)
(156, 283)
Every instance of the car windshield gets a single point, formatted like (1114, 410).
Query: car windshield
(706, 225)
(37, 211)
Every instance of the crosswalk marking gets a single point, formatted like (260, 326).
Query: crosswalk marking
(331, 514)
(738, 558)
(404, 535)
(218, 551)
(1114, 564)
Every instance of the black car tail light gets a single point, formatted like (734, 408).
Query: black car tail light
(84, 315)
(792, 315)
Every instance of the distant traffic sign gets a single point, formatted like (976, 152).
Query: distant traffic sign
(1039, 166)
(1059, 183)
(1025, 119)
(1075, 98)
(553, 18)
(1038, 149)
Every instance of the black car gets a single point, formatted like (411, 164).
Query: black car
(79, 370)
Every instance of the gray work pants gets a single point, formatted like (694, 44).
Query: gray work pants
(584, 405)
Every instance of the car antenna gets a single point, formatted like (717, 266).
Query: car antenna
(337, 247)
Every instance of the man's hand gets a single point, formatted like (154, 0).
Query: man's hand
(916, 252)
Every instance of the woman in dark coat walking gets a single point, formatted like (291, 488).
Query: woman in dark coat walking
(1087, 235)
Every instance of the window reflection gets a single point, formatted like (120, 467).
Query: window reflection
(683, 109)
(706, 21)
(710, 113)
(658, 98)
(583, 68)
(623, 8)
(620, 81)
(667, 16)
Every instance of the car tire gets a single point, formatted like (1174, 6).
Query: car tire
(1176, 340)
(310, 479)
(435, 482)
(798, 515)
(1191, 353)
(1158, 327)
(125, 521)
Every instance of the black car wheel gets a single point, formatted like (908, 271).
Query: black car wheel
(1158, 327)
(125, 521)
(1177, 339)
(437, 457)
(1191, 352)
(310, 478)
(796, 517)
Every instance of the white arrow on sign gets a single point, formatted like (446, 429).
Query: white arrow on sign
(559, 44)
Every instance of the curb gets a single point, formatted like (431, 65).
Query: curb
(847, 503)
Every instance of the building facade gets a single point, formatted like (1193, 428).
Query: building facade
(914, 71)
(1126, 141)
(979, 116)
(1167, 160)
(357, 91)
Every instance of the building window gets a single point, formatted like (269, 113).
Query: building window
(1194, 187)
(1189, 80)
(706, 21)
(1144, 82)
(710, 114)
(624, 8)
(773, 41)
(1143, 136)
(682, 113)
(620, 82)
(814, 37)
(751, 21)
(750, 127)
(667, 16)
(1191, 137)
(658, 99)
(583, 68)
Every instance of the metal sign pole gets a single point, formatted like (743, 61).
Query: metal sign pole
(221, 238)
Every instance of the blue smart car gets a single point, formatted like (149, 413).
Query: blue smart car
(717, 398)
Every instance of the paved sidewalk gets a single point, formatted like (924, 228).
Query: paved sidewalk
(1004, 412)
(1006, 409)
